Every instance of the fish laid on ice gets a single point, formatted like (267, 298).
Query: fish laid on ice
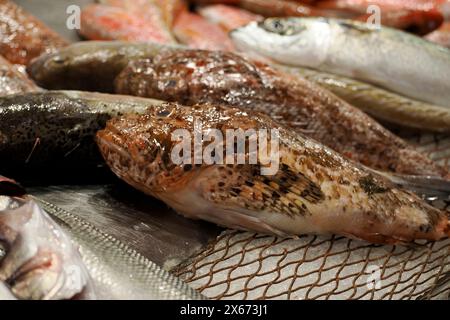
(56, 129)
(102, 22)
(314, 191)
(379, 103)
(14, 81)
(89, 65)
(392, 59)
(23, 37)
(195, 76)
(40, 261)
(228, 17)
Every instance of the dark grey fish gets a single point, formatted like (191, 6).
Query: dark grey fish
(56, 129)
(90, 66)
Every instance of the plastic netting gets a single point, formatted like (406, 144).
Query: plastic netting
(244, 265)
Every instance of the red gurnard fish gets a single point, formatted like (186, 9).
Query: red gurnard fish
(228, 17)
(104, 22)
(195, 31)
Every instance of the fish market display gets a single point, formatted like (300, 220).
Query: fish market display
(13, 81)
(195, 76)
(392, 59)
(360, 6)
(23, 37)
(270, 8)
(139, 20)
(379, 103)
(228, 17)
(56, 129)
(40, 261)
(117, 271)
(101, 22)
(314, 190)
(197, 32)
(441, 36)
(90, 66)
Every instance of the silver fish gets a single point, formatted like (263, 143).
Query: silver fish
(41, 263)
(382, 104)
(392, 59)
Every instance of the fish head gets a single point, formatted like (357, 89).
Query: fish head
(138, 149)
(294, 41)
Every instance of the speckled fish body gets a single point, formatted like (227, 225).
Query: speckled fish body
(314, 191)
(196, 76)
(382, 104)
(14, 81)
(392, 59)
(56, 129)
(23, 36)
(40, 262)
(90, 65)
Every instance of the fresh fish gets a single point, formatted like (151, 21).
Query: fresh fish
(196, 32)
(13, 81)
(56, 129)
(228, 17)
(194, 76)
(40, 261)
(270, 8)
(441, 36)
(148, 10)
(417, 22)
(379, 103)
(89, 65)
(116, 271)
(102, 22)
(315, 190)
(360, 6)
(392, 59)
(23, 37)
(171, 9)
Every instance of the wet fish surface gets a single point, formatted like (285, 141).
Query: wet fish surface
(314, 191)
(40, 261)
(389, 58)
(14, 81)
(110, 269)
(195, 31)
(56, 129)
(90, 65)
(194, 76)
(379, 103)
(24, 37)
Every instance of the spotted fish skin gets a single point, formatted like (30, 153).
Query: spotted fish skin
(57, 128)
(196, 76)
(314, 191)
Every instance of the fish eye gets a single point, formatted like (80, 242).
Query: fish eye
(163, 113)
(279, 26)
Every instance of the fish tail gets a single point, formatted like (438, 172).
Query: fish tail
(430, 187)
